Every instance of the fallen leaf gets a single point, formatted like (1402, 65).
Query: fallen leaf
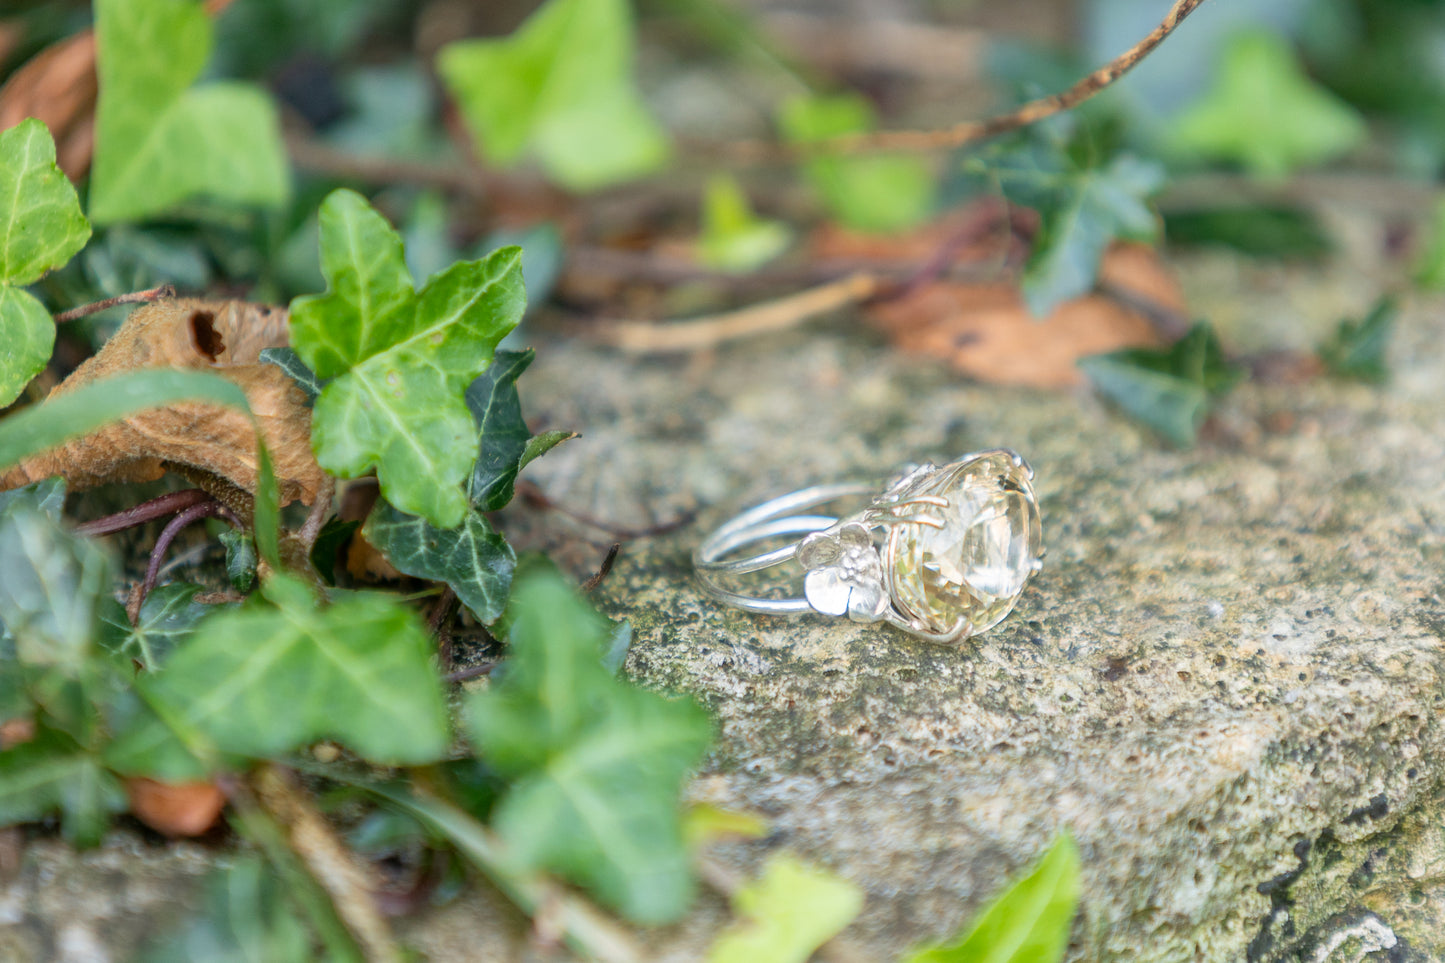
(175, 809)
(57, 87)
(985, 330)
(207, 443)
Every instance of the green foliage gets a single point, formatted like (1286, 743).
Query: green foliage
(290, 362)
(160, 141)
(1027, 923)
(1265, 114)
(1430, 267)
(79, 412)
(1082, 207)
(561, 87)
(472, 558)
(43, 229)
(868, 193)
(595, 765)
(245, 919)
(241, 559)
(52, 772)
(1357, 348)
(507, 445)
(168, 616)
(1168, 390)
(786, 914)
(272, 676)
(400, 360)
(733, 237)
(1261, 232)
(52, 588)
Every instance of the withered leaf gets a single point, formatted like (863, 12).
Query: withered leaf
(208, 443)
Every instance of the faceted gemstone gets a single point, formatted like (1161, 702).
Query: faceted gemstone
(975, 565)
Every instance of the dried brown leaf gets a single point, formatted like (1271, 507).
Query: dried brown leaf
(985, 331)
(58, 87)
(212, 445)
(175, 809)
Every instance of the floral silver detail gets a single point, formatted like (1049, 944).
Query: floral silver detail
(844, 573)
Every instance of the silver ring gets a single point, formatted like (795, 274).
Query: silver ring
(942, 553)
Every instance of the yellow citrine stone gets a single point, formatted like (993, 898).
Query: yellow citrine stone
(967, 562)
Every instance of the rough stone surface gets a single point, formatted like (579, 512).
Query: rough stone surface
(1226, 681)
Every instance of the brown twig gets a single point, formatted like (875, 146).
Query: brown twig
(643, 337)
(603, 569)
(134, 297)
(472, 672)
(206, 509)
(537, 498)
(311, 155)
(441, 610)
(971, 131)
(320, 509)
(159, 507)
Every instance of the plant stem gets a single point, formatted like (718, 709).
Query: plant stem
(134, 297)
(167, 504)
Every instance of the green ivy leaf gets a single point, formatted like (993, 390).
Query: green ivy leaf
(1357, 349)
(264, 679)
(241, 559)
(400, 359)
(46, 497)
(1027, 923)
(1264, 113)
(246, 918)
(160, 141)
(596, 765)
(1261, 232)
(1082, 209)
(733, 237)
(290, 362)
(334, 534)
(473, 558)
(168, 617)
(42, 230)
(507, 446)
(51, 772)
(874, 193)
(51, 591)
(786, 914)
(1167, 390)
(560, 86)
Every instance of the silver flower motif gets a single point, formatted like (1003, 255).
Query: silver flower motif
(845, 575)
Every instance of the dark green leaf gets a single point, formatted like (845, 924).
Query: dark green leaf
(1264, 113)
(1167, 390)
(879, 193)
(596, 765)
(560, 86)
(539, 445)
(83, 410)
(42, 228)
(46, 497)
(158, 141)
(401, 359)
(1263, 232)
(240, 559)
(472, 558)
(786, 914)
(1358, 348)
(168, 617)
(52, 587)
(290, 362)
(50, 773)
(334, 534)
(246, 919)
(497, 409)
(264, 679)
(1082, 209)
(266, 516)
(1028, 923)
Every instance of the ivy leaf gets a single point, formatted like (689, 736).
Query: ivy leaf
(1028, 923)
(51, 772)
(596, 765)
(1357, 349)
(42, 229)
(1264, 113)
(160, 141)
(51, 591)
(268, 677)
(473, 558)
(241, 559)
(877, 193)
(290, 362)
(733, 237)
(168, 617)
(46, 497)
(786, 914)
(246, 918)
(507, 446)
(400, 359)
(1167, 390)
(560, 86)
(1261, 232)
(1082, 209)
